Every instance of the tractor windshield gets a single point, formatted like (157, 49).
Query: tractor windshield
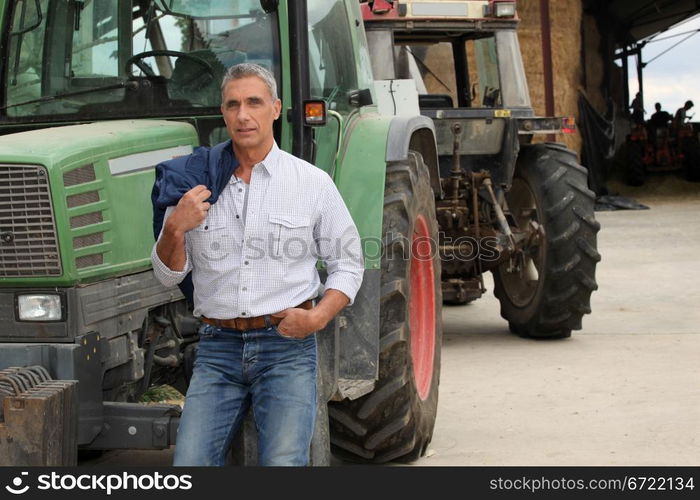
(96, 59)
(456, 69)
(476, 84)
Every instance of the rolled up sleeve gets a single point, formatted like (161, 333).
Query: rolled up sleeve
(163, 273)
(338, 244)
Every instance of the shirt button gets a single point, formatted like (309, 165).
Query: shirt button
(206, 227)
(240, 190)
(246, 262)
(244, 289)
(242, 314)
(238, 216)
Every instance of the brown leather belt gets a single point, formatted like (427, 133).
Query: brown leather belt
(254, 323)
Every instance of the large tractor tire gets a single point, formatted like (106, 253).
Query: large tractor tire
(636, 171)
(395, 422)
(550, 294)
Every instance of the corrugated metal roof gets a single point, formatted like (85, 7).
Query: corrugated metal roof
(639, 19)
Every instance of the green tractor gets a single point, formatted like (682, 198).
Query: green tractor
(95, 94)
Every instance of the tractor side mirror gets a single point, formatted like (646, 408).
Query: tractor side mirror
(359, 98)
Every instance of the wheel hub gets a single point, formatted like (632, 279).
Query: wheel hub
(522, 279)
(422, 307)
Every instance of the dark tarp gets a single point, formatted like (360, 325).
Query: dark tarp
(598, 133)
(609, 203)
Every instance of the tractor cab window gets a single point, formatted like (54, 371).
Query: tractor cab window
(482, 62)
(95, 44)
(331, 58)
(25, 55)
(462, 73)
(516, 92)
(95, 58)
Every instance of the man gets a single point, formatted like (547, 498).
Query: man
(253, 258)
(661, 118)
(658, 125)
(637, 110)
(682, 115)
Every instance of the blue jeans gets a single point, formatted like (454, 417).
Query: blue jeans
(235, 370)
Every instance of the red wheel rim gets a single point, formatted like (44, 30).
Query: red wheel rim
(422, 307)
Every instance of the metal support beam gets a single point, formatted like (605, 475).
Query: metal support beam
(626, 77)
(640, 74)
(546, 26)
(299, 54)
(459, 52)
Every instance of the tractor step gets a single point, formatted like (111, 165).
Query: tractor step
(137, 426)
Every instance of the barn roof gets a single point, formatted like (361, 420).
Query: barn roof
(636, 20)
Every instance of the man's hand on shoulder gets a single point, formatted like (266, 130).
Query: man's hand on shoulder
(190, 211)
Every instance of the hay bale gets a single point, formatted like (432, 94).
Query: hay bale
(594, 63)
(565, 19)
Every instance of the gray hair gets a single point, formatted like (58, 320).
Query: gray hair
(244, 70)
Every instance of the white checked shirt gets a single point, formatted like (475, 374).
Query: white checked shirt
(266, 261)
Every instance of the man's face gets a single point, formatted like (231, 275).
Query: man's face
(249, 112)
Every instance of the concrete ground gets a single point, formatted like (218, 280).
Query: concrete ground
(623, 391)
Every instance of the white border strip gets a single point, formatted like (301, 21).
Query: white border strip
(143, 161)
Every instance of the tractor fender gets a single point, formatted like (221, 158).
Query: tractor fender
(360, 176)
(371, 142)
(415, 133)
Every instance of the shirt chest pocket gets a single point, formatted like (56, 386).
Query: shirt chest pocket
(212, 241)
(291, 235)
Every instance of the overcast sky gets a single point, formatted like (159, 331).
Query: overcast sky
(674, 77)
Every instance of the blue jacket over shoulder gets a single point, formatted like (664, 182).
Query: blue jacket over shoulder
(211, 167)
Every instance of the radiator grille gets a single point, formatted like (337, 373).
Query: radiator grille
(89, 260)
(78, 200)
(79, 176)
(28, 243)
(88, 240)
(85, 220)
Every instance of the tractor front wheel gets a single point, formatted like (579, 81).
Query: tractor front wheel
(549, 292)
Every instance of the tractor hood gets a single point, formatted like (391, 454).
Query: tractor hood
(77, 204)
(63, 146)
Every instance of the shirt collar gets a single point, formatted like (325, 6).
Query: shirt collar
(268, 164)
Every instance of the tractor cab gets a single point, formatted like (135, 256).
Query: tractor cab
(84, 61)
(464, 57)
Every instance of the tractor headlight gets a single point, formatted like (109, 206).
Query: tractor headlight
(39, 307)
